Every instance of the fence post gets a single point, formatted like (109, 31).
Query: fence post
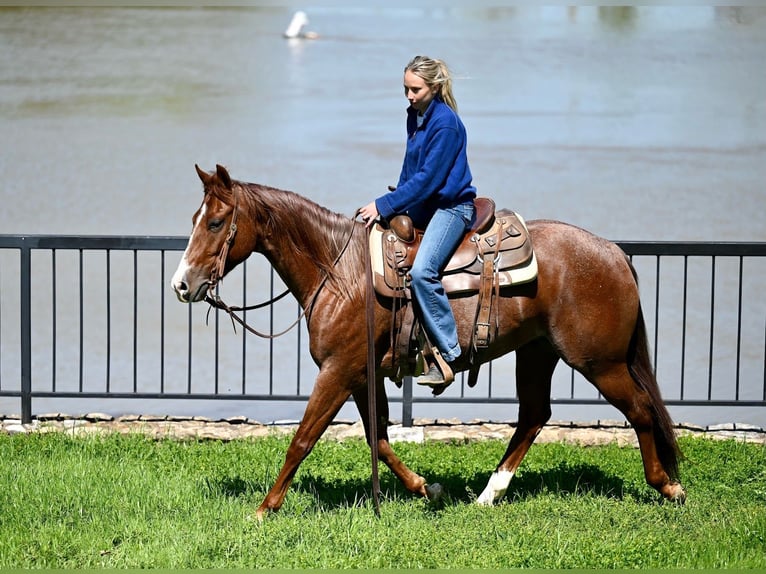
(407, 402)
(25, 309)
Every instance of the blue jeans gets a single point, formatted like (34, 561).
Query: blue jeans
(442, 236)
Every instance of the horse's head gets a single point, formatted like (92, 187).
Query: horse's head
(212, 249)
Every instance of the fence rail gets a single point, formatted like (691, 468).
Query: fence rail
(94, 318)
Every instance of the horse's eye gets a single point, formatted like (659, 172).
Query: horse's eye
(215, 225)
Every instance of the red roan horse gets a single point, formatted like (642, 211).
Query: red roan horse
(583, 308)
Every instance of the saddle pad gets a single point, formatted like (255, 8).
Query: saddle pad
(377, 260)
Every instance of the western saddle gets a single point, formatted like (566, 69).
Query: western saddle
(496, 253)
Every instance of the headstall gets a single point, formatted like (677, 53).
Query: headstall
(214, 300)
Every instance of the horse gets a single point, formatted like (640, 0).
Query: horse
(583, 309)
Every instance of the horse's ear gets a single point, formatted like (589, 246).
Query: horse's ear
(203, 175)
(224, 176)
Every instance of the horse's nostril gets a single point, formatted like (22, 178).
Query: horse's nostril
(182, 291)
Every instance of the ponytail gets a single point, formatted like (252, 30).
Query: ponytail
(434, 73)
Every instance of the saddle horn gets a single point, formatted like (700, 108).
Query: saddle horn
(403, 227)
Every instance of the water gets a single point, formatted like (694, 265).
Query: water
(635, 123)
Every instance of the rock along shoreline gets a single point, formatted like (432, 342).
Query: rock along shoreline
(447, 430)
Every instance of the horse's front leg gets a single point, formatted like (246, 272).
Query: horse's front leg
(411, 481)
(325, 401)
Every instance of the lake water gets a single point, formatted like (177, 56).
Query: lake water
(635, 123)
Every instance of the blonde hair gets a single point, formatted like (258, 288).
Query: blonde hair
(434, 73)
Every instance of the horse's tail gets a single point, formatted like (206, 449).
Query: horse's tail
(640, 368)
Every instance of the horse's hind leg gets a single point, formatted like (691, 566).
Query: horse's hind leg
(411, 481)
(652, 425)
(535, 363)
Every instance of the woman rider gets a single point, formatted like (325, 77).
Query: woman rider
(435, 190)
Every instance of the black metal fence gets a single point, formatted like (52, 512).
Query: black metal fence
(94, 319)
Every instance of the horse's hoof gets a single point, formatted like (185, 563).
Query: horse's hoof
(677, 494)
(434, 492)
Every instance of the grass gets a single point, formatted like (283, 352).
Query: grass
(130, 502)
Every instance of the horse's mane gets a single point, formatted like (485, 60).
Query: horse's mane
(314, 232)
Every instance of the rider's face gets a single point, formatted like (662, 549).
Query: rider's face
(417, 92)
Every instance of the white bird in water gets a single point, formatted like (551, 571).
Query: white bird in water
(295, 29)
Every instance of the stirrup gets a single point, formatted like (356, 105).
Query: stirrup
(432, 378)
(444, 367)
(443, 376)
(438, 375)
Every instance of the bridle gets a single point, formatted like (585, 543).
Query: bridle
(216, 276)
(220, 265)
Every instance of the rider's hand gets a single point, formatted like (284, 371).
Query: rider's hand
(369, 214)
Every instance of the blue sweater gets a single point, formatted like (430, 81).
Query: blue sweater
(435, 172)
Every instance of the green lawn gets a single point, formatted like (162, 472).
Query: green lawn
(130, 502)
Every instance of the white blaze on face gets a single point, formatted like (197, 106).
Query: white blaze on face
(496, 487)
(179, 277)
